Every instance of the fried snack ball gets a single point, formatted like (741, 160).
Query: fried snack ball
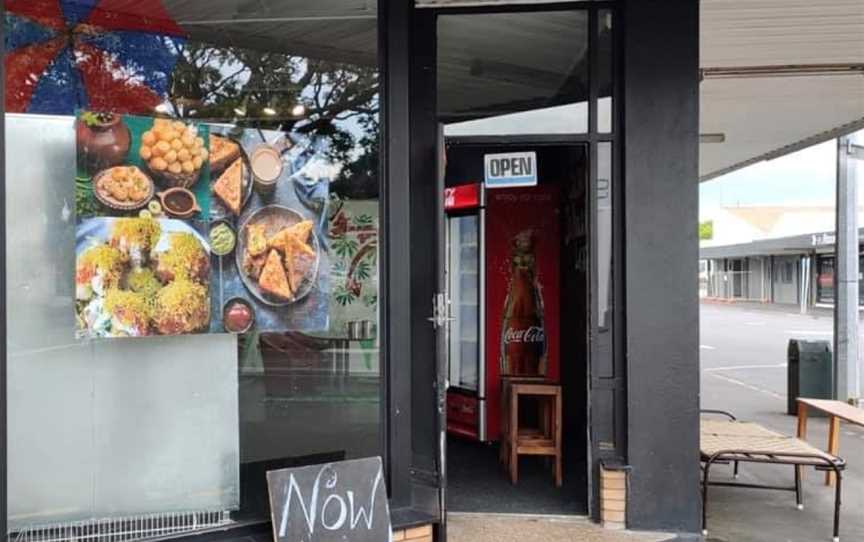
(167, 135)
(188, 140)
(171, 156)
(159, 164)
(197, 162)
(146, 152)
(188, 166)
(161, 148)
(176, 144)
(184, 155)
(148, 138)
(175, 167)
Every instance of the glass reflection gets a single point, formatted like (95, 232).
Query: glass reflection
(513, 73)
(604, 71)
(256, 72)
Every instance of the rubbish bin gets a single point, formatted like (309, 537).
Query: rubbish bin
(809, 372)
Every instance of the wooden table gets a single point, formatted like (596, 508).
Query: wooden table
(836, 411)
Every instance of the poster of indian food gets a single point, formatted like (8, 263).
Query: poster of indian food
(269, 197)
(141, 166)
(137, 276)
(188, 228)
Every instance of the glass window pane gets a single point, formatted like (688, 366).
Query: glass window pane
(513, 73)
(201, 417)
(604, 71)
(605, 264)
(465, 299)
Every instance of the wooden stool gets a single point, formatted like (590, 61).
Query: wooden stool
(518, 440)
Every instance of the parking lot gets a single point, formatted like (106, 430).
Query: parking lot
(743, 369)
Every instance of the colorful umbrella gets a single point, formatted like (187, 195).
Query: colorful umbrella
(103, 55)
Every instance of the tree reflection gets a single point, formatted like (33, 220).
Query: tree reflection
(277, 90)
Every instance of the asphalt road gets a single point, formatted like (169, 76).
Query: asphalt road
(743, 369)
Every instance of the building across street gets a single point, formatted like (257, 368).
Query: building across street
(761, 261)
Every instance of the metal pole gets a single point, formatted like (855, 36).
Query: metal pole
(846, 365)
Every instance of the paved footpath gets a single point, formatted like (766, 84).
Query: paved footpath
(463, 527)
(743, 366)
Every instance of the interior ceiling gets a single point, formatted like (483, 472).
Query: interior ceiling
(500, 63)
(770, 116)
(336, 30)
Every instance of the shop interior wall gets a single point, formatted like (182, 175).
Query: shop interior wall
(661, 113)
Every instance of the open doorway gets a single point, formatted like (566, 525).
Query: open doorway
(514, 82)
(502, 243)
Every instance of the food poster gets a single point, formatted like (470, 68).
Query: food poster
(267, 230)
(141, 276)
(353, 241)
(141, 166)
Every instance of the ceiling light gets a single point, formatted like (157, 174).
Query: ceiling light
(162, 108)
(241, 109)
(270, 108)
(298, 110)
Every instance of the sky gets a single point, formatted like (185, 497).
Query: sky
(806, 177)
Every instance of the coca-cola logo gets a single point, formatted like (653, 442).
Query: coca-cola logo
(532, 334)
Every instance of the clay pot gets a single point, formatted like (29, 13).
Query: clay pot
(102, 145)
(179, 202)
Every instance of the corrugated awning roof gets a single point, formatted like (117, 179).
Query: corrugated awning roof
(765, 116)
(758, 116)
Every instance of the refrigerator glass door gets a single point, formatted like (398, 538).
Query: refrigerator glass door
(464, 278)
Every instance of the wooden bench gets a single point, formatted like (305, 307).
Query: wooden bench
(731, 441)
(836, 411)
(517, 439)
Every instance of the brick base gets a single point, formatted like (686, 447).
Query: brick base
(414, 534)
(613, 498)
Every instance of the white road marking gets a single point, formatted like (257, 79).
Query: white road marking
(738, 367)
(706, 347)
(749, 386)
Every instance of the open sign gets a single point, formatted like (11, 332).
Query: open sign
(510, 169)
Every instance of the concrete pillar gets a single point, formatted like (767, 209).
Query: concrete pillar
(847, 386)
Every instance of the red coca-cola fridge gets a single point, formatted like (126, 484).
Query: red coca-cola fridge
(503, 251)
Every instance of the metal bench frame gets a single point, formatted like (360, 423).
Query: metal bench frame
(798, 460)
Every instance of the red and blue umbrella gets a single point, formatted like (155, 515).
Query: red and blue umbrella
(103, 55)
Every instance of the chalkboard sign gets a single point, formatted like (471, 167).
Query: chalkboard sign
(342, 501)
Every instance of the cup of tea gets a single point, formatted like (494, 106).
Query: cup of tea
(267, 165)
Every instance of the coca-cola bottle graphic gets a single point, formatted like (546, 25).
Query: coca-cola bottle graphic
(523, 340)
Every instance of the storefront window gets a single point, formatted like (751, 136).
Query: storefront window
(192, 256)
(604, 71)
(825, 280)
(494, 81)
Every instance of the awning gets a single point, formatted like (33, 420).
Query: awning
(748, 111)
(758, 113)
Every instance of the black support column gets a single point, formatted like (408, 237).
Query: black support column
(661, 109)
(395, 293)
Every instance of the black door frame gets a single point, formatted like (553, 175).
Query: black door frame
(524, 143)
(607, 415)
